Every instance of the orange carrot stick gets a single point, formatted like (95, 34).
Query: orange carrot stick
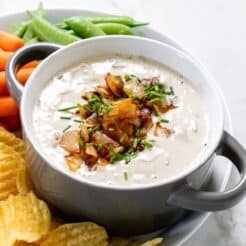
(23, 74)
(8, 107)
(10, 42)
(30, 64)
(4, 57)
(3, 85)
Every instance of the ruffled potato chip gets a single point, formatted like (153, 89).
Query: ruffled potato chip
(153, 242)
(11, 140)
(11, 164)
(23, 182)
(22, 243)
(77, 234)
(13, 178)
(23, 218)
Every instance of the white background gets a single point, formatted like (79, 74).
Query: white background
(215, 32)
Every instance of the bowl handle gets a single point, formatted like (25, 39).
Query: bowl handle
(188, 198)
(22, 56)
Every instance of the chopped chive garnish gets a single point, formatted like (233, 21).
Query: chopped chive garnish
(170, 92)
(162, 120)
(126, 176)
(147, 144)
(65, 118)
(69, 126)
(68, 108)
(135, 143)
(137, 131)
(81, 142)
(78, 121)
(126, 76)
(100, 146)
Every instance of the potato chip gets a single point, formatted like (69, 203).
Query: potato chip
(11, 140)
(9, 153)
(22, 243)
(153, 242)
(23, 182)
(77, 234)
(23, 218)
(11, 163)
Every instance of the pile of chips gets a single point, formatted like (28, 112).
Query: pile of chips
(27, 220)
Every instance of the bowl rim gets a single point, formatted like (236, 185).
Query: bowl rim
(187, 172)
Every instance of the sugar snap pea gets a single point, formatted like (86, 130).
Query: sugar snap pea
(46, 31)
(32, 41)
(125, 20)
(84, 28)
(20, 28)
(29, 34)
(115, 28)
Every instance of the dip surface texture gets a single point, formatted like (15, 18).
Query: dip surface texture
(169, 156)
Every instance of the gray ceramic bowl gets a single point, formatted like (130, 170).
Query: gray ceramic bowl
(132, 210)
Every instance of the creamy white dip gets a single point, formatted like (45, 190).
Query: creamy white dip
(169, 155)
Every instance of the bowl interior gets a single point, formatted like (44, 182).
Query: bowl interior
(150, 49)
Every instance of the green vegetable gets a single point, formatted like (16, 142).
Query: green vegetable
(20, 28)
(83, 27)
(81, 142)
(115, 28)
(126, 176)
(29, 34)
(65, 129)
(65, 118)
(78, 121)
(125, 20)
(40, 11)
(68, 108)
(97, 105)
(170, 92)
(162, 120)
(147, 144)
(32, 41)
(101, 146)
(46, 31)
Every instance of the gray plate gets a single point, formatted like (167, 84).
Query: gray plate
(182, 231)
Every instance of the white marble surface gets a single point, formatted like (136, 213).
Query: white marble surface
(214, 31)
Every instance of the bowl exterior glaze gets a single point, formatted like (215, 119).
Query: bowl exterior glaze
(123, 212)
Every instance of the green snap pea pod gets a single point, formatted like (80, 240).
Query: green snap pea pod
(32, 41)
(83, 27)
(29, 34)
(63, 25)
(115, 28)
(125, 20)
(46, 31)
(20, 28)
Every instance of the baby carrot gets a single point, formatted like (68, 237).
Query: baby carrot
(10, 42)
(8, 107)
(4, 57)
(23, 74)
(30, 64)
(3, 85)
